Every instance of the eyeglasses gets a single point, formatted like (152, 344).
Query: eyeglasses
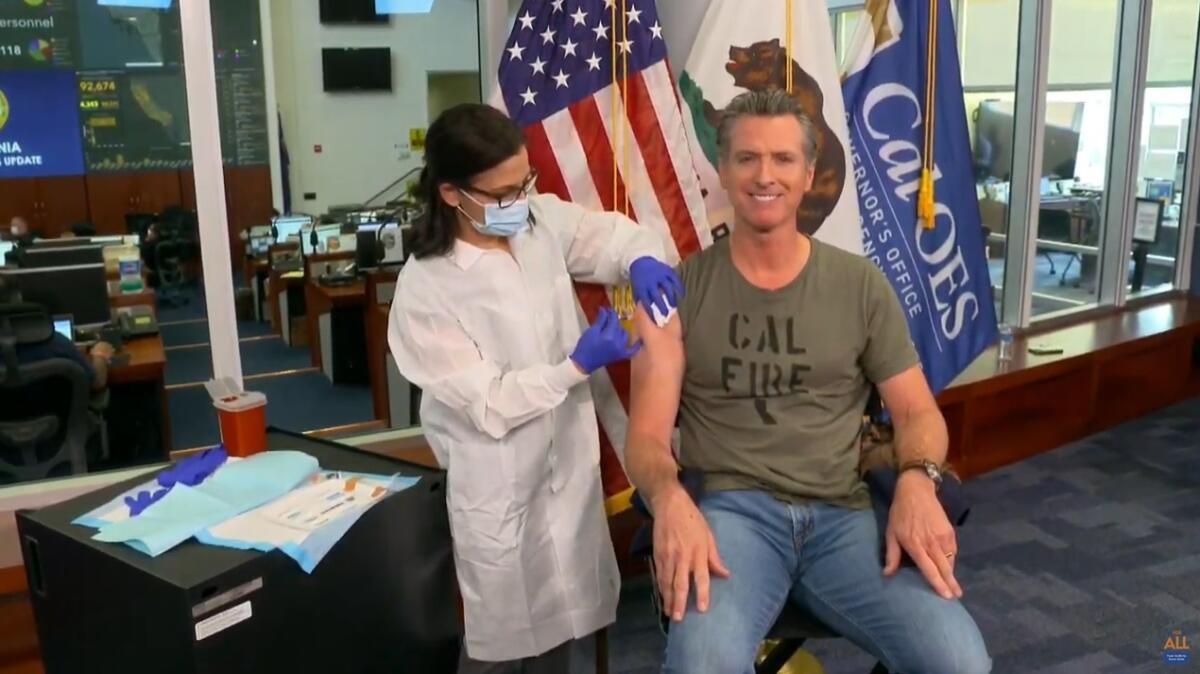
(508, 199)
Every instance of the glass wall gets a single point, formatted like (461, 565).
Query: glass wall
(98, 178)
(844, 23)
(1068, 246)
(1077, 128)
(987, 39)
(1162, 149)
(356, 91)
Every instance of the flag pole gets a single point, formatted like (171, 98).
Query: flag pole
(625, 170)
(787, 38)
(925, 200)
(615, 107)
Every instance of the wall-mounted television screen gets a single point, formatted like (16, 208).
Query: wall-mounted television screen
(362, 69)
(350, 11)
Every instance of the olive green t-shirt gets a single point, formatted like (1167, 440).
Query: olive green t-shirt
(776, 381)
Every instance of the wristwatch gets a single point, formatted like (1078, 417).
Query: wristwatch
(931, 469)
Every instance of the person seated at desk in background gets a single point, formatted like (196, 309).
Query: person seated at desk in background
(94, 363)
(79, 230)
(147, 247)
(786, 517)
(19, 231)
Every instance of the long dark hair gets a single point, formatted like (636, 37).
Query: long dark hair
(462, 142)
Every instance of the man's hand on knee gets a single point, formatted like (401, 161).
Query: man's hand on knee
(684, 550)
(917, 524)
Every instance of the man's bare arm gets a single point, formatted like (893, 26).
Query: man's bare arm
(655, 385)
(917, 522)
(684, 548)
(920, 427)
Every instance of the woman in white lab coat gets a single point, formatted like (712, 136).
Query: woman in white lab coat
(485, 322)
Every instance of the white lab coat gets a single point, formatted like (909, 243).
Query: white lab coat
(487, 337)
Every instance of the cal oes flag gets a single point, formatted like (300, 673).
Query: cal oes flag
(39, 124)
(939, 272)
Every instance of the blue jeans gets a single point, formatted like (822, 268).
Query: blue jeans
(828, 560)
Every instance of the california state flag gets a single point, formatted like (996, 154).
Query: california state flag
(743, 44)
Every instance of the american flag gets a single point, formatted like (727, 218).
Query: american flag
(605, 140)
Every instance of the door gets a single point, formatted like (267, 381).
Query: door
(111, 196)
(247, 202)
(187, 189)
(156, 190)
(62, 202)
(18, 197)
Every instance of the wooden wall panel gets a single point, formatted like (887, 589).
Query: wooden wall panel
(1194, 371)
(1013, 424)
(1140, 381)
(19, 650)
(64, 202)
(110, 197)
(187, 189)
(955, 415)
(18, 197)
(156, 190)
(248, 203)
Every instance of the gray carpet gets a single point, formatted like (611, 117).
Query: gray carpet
(1079, 561)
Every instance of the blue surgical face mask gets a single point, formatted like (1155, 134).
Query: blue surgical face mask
(506, 221)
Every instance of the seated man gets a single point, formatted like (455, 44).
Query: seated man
(95, 363)
(19, 231)
(768, 365)
(83, 229)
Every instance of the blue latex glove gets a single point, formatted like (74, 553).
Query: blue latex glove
(604, 343)
(190, 471)
(655, 283)
(142, 500)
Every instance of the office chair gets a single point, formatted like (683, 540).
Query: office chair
(171, 251)
(792, 628)
(36, 443)
(139, 223)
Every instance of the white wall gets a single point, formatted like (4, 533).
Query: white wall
(362, 135)
(681, 22)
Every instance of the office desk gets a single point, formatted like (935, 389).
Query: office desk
(336, 330)
(139, 424)
(377, 350)
(285, 288)
(146, 297)
(254, 273)
(393, 398)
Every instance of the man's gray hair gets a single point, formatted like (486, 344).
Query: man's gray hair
(773, 103)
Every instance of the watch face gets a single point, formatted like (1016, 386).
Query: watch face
(933, 472)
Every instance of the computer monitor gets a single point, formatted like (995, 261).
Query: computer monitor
(62, 256)
(1161, 190)
(324, 234)
(260, 245)
(6, 247)
(367, 245)
(289, 226)
(64, 324)
(79, 290)
(994, 140)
